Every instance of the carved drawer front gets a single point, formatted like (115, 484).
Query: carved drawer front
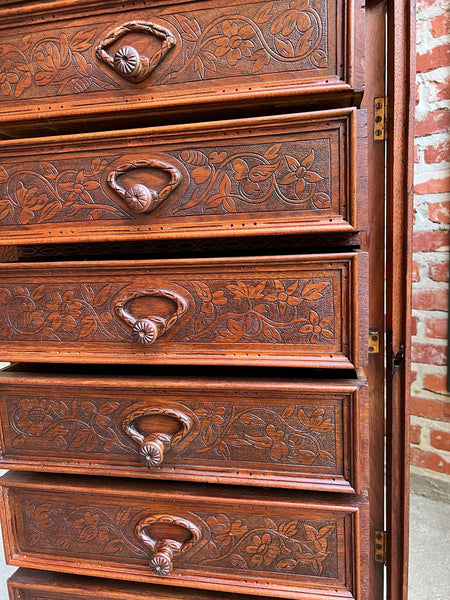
(300, 435)
(288, 174)
(281, 311)
(202, 536)
(30, 584)
(172, 55)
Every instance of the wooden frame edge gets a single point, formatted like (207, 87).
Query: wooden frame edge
(399, 198)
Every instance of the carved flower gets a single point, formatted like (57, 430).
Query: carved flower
(226, 529)
(211, 414)
(288, 20)
(34, 415)
(252, 176)
(64, 310)
(209, 298)
(300, 173)
(235, 42)
(278, 449)
(316, 421)
(262, 549)
(7, 77)
(79, 189)
(317, 328)
(284, 296)
(29, 201)
(29, 314)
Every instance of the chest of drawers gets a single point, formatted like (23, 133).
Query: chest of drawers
(188, 237)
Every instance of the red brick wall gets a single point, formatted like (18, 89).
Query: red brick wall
(430, 402)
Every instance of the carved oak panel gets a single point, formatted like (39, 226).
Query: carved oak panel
(272, 175)
(243, 541)
(302, 435)
(173, 55)
(30, 584)
(297, 310)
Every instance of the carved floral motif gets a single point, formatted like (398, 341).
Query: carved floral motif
(268, 37)
(250, 542)
(284, 33)
(256, 178)
(291, 434)
(62, 62)
(51, 312)
(271, 311)
(54, 192)
(266, 544)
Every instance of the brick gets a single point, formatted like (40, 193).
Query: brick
(416, 154)
(430, 300)
(443, 90)
(439, 25)
(414, 434)
(430, 241)
(437, 410)
(440, 439)
(413, 376)
(438, 271)
(437, 383)
(438, 153)
(414, 322)
(436, 328)
(434, 122)
(429, 354)
(433, 186)
(439, 56)
(439, 212)
(415, 272)
(424, 4)
(429, 460)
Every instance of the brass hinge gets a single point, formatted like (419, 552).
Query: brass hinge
(380, 119)
(381, 547)
(374, 342)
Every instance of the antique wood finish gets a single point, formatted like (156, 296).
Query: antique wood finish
(272, 175)
(295, 434)
(221, 538)
(174, 56)
(279, 310)
(400, 155)
(30, 584)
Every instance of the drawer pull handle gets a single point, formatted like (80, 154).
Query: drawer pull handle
(153, 446)
(147, 330)
(166, 535)
(138, 197)
(126, 61)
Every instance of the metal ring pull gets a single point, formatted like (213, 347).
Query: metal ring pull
(147, 330)
(138, 197)
(126, 61)
(153, 446)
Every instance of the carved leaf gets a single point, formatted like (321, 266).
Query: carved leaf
(190, 27)
(219, 524)
(273, 152)
(263, 14)
(214, 551)
(81, 41)
(288, 411)
(5, 208)
(284, 47)
(102, 295)
(239, 561)
(194, 157)
(287, 564)
(89, 326)
(88, 534)
(249, 418)
(63, 542)
(34, 539)
(18, 442)
(313, 291)
(123, 517)
(108, 407)
(113, 547)
(23, 84)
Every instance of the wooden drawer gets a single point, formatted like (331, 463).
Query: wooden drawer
(194, 536)
(273, 175)
(30, 584)
(304, 435)
(280, 311)
(174, 56)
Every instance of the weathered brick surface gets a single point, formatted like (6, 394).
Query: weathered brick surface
(430, 401)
